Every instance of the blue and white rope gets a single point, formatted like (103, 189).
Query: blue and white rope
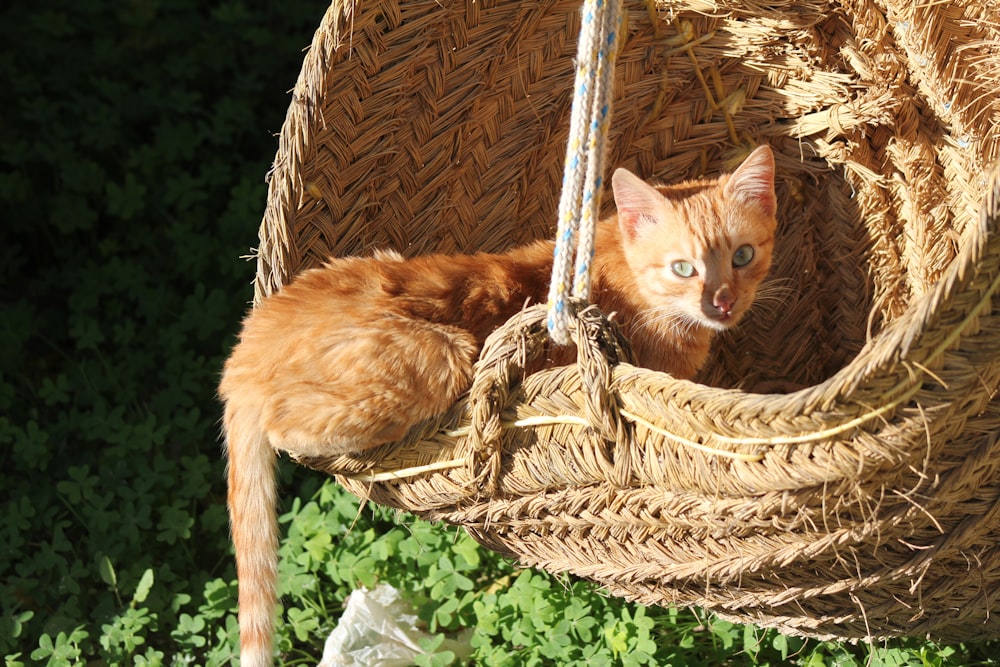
(580, 202)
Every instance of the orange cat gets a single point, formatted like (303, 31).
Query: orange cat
(353, 354)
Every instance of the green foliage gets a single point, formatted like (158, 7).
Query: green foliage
(136, 139)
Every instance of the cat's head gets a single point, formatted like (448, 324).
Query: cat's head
(700, 249)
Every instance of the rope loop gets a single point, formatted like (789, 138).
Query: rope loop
(580, 202)
(510, 354)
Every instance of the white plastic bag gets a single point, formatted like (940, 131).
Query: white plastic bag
(378, 629)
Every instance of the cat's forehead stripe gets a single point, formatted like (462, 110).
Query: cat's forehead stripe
(701, 215)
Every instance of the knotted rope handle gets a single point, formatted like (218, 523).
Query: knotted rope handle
(580, 201)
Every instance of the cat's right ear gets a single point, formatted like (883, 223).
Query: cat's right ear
(636, 200)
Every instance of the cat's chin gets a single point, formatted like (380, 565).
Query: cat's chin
(720, 324)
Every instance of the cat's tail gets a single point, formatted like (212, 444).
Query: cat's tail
(254, 524)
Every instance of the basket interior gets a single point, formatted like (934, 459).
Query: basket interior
(430, 127)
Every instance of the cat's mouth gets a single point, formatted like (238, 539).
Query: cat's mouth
(722, 320)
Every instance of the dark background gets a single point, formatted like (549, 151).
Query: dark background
(135, 137)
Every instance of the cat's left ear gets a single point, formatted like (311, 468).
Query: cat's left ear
(636, 200)
(753, 181)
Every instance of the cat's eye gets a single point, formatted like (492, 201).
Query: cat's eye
(742, 256)
(682, 269)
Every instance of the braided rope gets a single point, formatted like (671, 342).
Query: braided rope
(580, 201)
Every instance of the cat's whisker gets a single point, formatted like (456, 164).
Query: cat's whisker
(780, 288)
(766, 306)
(678, 319)
(649, 318)
(772, 295)
(679, 324)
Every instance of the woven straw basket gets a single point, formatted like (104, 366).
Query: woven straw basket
(834, 470)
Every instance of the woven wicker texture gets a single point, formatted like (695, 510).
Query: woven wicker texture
(834, 471)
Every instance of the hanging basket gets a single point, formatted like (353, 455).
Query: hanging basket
(835, 469)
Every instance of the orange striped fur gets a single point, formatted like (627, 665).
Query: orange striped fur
(353, 354)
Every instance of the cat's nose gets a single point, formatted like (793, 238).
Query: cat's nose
(723, 302)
